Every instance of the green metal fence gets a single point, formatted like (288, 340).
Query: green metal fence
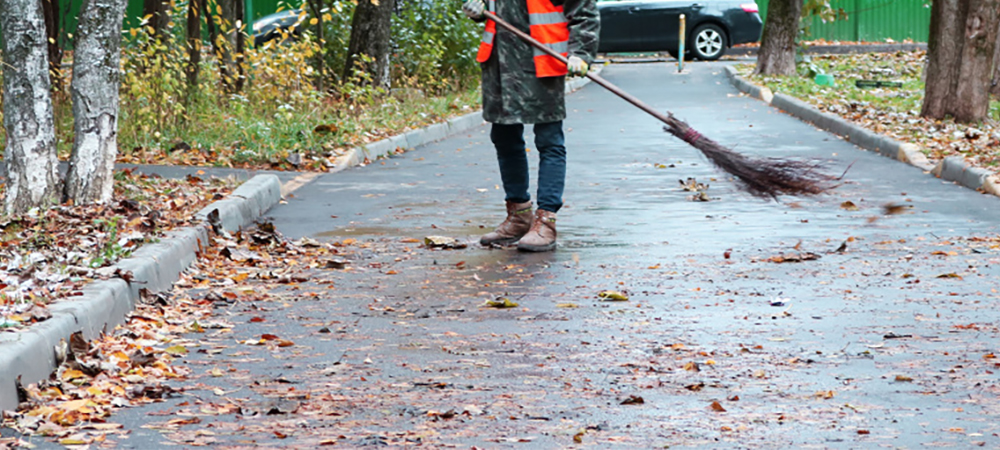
(873, 20)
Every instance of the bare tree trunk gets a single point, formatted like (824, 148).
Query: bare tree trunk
(159, 16)
(96, 67)
(960, 55)
(995, 85)
(193, 45)
(32, 173)
(239, 28)
(224, 44)
(370, 35)
(777, 46)
(317, 11)
(52, 26)
(213, 21)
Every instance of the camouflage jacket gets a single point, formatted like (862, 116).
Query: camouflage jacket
(511, 91)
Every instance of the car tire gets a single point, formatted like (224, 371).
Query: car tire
(709, 42)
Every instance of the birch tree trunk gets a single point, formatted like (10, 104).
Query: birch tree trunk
(96, 73)
(30, 155)
(960, 55)
(777, 46)
(370, 35)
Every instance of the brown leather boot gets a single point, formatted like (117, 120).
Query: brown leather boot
(511, 229)
(542, 236)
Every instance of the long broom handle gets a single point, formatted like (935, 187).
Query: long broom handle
(596, 78)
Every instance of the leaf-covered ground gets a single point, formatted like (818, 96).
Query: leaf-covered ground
(49, 254)
(303, 344)
(890, 111)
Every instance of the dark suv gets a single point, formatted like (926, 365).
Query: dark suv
(653, 26)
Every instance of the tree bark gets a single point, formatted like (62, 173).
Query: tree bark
(224, 46)
(52, 27)
(159, 16)
(317, 11)
(960, 54)
(213, 21)
(96, 68)
(777, 46)
(239, 29)
(30, 155)
(193, 46)
(995, 85)
(370, 35)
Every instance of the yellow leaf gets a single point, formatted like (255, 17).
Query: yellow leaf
(72, 374)
(72, 441)
(824, 394)
(177, 350)
(216, 372)
(313, 21)
(501, 302)
(567, 305)
(73, 405)
(374, 2)
(612, 296)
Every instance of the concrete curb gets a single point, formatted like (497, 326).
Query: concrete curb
(952, 168)
(426, 135)
(30, 354)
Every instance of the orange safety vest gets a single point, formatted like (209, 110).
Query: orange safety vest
(548, 25)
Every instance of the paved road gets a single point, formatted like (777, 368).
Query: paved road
(862, 348)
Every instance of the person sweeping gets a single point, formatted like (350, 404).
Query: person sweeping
(522, 85)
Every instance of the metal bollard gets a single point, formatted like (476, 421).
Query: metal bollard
(680, 51)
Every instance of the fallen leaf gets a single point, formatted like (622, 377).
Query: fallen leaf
(501, 302)
(826, 395)
(633, 400)
(176, 350)
(612, 296)
(717, 407)
(849, 205)
(793, 257)
(443, 242)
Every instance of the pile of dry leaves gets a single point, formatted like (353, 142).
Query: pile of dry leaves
(133, 364)
(52, 253)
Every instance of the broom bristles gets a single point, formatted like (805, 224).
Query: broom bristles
(761, 177)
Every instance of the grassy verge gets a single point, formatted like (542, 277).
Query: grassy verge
(889, 110)
(306, 136)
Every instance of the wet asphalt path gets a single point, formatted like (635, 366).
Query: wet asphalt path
(862, 348)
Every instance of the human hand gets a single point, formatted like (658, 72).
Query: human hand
(577, 66)
(473, 9)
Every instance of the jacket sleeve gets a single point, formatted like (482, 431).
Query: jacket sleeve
(584, 28)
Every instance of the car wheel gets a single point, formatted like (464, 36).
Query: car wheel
(709, 42)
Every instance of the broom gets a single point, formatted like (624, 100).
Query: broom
(761, 177)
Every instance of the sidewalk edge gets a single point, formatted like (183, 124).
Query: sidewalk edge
(104, 304)
(952, 168)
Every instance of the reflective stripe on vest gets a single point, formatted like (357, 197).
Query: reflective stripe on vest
(547, 25)
(486, 43)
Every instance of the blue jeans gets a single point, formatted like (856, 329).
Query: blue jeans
(550, 143)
